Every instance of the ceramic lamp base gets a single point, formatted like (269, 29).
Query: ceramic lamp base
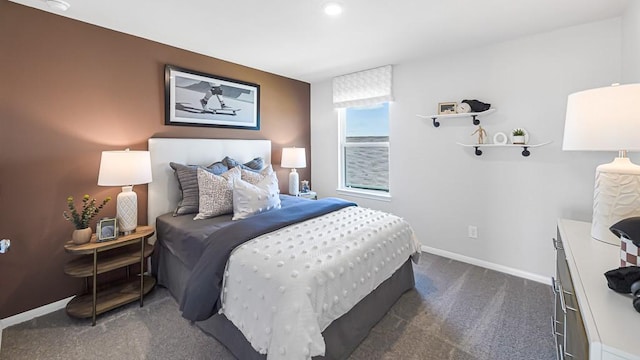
(293, 183)
(127, 210)
(616, 197)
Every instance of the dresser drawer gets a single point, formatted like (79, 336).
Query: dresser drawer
(569, 329)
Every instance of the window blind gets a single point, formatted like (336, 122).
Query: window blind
(368, 87)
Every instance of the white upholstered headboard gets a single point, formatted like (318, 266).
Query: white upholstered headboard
(163, 192)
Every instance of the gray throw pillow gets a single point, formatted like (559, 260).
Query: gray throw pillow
(187, 176)
(218, 168)
(254, 165)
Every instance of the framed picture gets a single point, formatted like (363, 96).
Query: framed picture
(197, 99)
(107, 229)
(447, 108)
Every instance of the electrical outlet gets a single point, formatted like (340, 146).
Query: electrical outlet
(4, 245)
(472, 232)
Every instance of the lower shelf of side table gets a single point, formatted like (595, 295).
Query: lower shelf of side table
(83, 265)
(81, 306)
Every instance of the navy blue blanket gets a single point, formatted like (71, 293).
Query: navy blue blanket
(201, 298)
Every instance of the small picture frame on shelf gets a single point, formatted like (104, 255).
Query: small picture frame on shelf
(447, 108)
(107, 229)
(304, 187)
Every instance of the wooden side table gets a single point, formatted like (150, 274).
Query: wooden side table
(88, 264)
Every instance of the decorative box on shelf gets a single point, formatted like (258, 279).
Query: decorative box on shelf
(629, 253)
(308, 195)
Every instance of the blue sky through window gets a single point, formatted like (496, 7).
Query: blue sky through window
(368, 121)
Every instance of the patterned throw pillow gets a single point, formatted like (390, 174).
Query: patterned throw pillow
(188, 183)
(249, 200)
(253, 177)
(253, 165)
(216, 193)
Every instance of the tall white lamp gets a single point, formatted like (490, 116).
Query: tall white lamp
(293, 158)
(608, 119)
(125, 168)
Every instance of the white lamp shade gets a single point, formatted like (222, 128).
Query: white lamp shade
(294, 158)
(608, 119)
(120, 168)
(603, 119)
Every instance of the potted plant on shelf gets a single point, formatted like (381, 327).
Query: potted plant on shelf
(82, 233)
(518, 136)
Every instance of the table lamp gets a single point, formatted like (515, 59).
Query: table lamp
(608, 119)
(293, 158)
(125, 168)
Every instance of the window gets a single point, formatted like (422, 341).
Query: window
(363, 99)
(365, 148)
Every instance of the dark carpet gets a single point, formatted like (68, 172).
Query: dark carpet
(456, 311)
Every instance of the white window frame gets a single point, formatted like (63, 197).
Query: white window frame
(342, 145)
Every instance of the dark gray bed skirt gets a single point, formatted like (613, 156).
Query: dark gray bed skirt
(341, 337)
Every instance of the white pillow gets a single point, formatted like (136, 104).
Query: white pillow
(249, 199)
(253, 177)
(215, 193)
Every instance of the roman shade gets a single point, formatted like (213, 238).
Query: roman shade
(363, 88)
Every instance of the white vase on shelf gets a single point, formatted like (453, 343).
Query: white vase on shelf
(518, 140)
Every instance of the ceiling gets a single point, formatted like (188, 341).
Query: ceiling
(294, 38)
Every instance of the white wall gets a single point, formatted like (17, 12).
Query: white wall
(441, 188)
(631, 43)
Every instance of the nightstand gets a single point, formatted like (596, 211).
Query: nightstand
(312, 195)
(89, 264)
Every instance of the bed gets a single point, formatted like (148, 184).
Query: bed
(310, 289)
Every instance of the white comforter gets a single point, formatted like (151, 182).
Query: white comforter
(284, 288)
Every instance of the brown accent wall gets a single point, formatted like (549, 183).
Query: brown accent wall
(70, 90)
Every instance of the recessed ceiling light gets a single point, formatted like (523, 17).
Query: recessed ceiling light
(58, 5)
(333, 9)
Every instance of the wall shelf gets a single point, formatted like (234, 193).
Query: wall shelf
(525, 147)
(472, 115)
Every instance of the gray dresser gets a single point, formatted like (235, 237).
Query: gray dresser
(590, 321)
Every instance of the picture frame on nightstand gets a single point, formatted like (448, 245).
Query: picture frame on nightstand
(304, 186)
(107, 229)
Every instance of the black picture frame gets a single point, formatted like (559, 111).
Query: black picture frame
(107, 229)
(194, 98)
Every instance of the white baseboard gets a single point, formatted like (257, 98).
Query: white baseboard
(488, 265)
(33, 313)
